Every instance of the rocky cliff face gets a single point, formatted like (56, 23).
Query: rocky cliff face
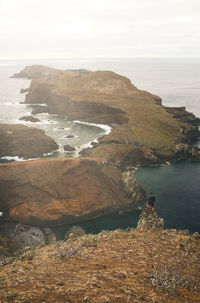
(149, 220)
(22, 141)
(62, 191)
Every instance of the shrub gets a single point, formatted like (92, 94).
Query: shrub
(67, 250)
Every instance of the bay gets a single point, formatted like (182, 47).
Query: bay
(176, 81)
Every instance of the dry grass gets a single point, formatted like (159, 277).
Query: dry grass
(161, 266)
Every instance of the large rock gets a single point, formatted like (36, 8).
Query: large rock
(22, 141)
(29, 119)
(69, 148)
(150, 220)
(61, 191)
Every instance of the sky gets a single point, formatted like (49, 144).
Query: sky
(99, 28)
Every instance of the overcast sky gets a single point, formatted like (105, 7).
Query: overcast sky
(99, 28)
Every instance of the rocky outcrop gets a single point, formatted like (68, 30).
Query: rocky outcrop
(29, 119)
(182, 114)
(55, 192)
(183, 150)
(150, 220)
(22, 141)
(188, 135)
(30, 236)
(24, 90)
(133, 190)
(16, 235)
(69, 148)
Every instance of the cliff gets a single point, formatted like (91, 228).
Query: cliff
(144, 131)
(63, 191)
(113, 266)
(22, 141)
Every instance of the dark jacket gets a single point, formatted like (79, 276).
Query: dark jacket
(151, 200)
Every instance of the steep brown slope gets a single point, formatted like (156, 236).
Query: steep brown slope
(62, 191)
(129, 266)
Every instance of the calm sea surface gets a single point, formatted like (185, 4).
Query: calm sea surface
(177, 187)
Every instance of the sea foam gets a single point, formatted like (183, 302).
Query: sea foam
(105, 127)
(12, 158)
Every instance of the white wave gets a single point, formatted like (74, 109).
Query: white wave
(46, 114)
(105, 127)
(18, 159)
(12, 103)
(12, 158)
(37, 104)
(82, 147)
(49, 154)
(61, 149)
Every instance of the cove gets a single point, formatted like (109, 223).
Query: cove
(108, 222)
(177, 190)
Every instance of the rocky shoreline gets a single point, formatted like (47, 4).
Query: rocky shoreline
(64, 191)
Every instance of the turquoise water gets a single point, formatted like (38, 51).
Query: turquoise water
(109, 222)
(177, 189)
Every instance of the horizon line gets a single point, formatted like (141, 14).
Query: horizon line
(85, 58)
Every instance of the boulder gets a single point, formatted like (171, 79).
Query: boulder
(29, 118)
(69, 148)
(150, 220)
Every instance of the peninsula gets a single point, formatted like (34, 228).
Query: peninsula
(62, 191)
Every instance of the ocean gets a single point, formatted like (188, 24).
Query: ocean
(176, 81)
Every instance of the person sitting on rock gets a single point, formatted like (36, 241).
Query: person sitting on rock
(151, 200)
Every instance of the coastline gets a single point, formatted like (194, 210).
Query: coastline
(107, 142)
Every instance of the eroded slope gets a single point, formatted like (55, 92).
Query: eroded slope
(64, 191)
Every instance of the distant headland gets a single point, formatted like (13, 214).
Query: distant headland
(101, 181)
